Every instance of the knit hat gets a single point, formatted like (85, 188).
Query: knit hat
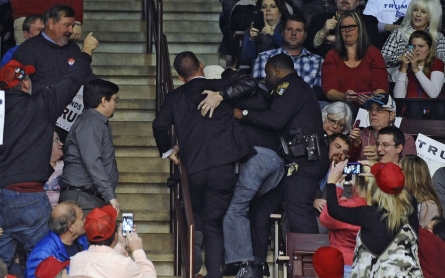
(384, 100)
(12, 73)
(389, 177)
(328, 262)
(50, 267)
(100, 224)
(213, 72)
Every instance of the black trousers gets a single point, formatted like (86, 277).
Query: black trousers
(260, 222)
(299, 193)
(210, 192)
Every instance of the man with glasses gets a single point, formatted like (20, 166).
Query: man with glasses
(390, 144)
(90, 172)
(321, 30)
(382, 113)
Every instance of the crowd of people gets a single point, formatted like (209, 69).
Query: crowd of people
(62, 213)
(249, 142)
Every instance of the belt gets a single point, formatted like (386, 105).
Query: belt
(81, 189)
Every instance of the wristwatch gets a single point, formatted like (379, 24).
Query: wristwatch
(245, 112)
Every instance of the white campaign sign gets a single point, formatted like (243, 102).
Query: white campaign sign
(72, 111)
(430, 149)
(2, 115)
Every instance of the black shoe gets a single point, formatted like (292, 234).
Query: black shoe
(231, 269)
(248, 270)
(263, 268)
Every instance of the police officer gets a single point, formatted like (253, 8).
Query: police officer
(295, 113)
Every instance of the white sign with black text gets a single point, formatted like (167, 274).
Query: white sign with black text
(72, 111)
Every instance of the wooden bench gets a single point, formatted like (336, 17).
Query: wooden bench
(435, 129)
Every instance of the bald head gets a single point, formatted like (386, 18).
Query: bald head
(62, 216)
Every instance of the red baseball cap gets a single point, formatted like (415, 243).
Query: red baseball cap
(12, 73)
(389, 177)
(328, 262)
(50, 267)
(100, 223)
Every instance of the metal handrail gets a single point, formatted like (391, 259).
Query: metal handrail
(182, 223)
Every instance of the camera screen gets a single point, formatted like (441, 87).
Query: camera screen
(127, 223)
(352, 168)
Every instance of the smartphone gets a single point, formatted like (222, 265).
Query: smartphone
(258, 20)
(409, 48)
(352, 168)
(356, 124)
(363, 93)
(127, 223)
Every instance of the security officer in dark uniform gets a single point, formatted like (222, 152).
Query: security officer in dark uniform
(295, 113)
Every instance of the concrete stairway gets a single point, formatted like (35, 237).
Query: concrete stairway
(120, 58)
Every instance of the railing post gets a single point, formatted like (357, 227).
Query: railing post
(149, 24)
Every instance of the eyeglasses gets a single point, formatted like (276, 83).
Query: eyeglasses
(57, 140)
(116, 99)
(383, 145)
(345, 28)
(334, 122)
(378, 110)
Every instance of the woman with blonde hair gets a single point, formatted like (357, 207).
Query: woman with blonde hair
(343, 235)
(421, 15)
(387, 240)
(419, 183)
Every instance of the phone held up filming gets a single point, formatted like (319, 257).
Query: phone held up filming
(127, 223)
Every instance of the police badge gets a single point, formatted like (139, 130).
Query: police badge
(282, 87)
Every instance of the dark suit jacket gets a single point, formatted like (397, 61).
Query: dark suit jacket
(203, 142)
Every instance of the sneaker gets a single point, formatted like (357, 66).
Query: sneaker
(263, 268)
(248, 270)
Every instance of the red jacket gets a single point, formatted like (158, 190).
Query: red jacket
(342, 235)
(25, 8)
(431, 250)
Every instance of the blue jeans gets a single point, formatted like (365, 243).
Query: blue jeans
(258, 175)
(24, 218)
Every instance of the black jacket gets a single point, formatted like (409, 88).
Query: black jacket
(203, 142)
(29, 126)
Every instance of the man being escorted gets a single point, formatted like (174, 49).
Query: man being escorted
(27, 143)
(90, 173)
(209, 148)
(102, 259)
(65, 239)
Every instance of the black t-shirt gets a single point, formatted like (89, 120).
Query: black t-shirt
(374, 231)
(73, 249)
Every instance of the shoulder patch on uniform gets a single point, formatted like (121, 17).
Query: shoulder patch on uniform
(282, 87)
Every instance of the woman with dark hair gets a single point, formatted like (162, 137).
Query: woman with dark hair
(421, 73)
(269, 37)
(354, 68)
